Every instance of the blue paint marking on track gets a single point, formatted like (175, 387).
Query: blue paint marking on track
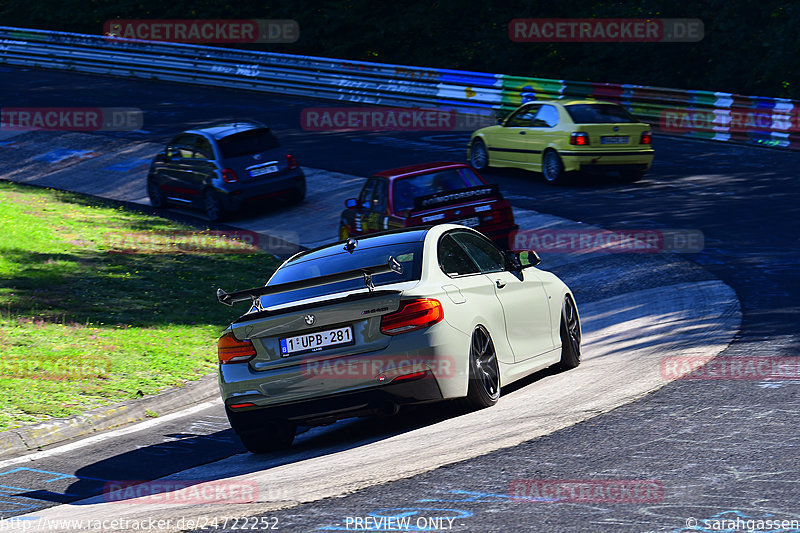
(14, 499)
(128, 165)
(56, 156)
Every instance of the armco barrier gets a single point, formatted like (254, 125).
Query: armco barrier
(699, 114)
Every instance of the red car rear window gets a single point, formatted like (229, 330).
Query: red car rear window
(452, 179)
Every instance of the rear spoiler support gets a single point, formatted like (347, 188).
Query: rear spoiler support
(254, 295)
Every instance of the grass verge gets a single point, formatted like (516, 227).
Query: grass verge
(100, 304)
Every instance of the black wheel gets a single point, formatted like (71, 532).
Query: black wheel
(156, 195)
(211, 207)
(632, 174)
(484, 374)
(553, 168)
(278, 436)
(298, 195)
(478, 155)
(570, 336)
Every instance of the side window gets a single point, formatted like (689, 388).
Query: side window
(547, 117)
(365, 199)
(203, 149)
(453, 260)
(483, 252)
(523, 118)
(379, 197)
(182, 146)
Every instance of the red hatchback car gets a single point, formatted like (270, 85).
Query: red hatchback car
(428, 194)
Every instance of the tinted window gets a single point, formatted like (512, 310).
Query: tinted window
(203, 150)
(336, 259)
(483, 252)
(406, 189)
(547, 117)
(247, 142)
(182, 146)
(365, 199)
(379, 197)
(523, 118)
(453, 260)
(598, 114)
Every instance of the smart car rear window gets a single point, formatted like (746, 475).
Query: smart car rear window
(248, 142)
(598, 114)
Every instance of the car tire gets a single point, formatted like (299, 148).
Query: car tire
(553, 168)
(156, 195)
(298, 195)
(478, 155)
(211, 206)
(276, 437)
(484, 373)
(570, 335)
(631, 175)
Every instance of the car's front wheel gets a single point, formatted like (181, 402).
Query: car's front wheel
(553, 168)
(156, 195)
(484, 373)
(478, 155)
(570, 335)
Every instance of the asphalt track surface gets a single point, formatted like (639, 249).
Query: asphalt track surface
(723, 448)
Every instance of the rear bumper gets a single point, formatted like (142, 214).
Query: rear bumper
(380, 399)
(576, 160)
(249, 191)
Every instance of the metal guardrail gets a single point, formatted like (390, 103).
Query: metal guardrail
(699, 114)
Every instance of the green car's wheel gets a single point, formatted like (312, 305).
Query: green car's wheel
(553, 167)
(570, 336)
(484, 374)
(478, 155)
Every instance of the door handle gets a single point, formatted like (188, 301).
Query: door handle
(500, 284)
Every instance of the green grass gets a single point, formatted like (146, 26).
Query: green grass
(100, 304)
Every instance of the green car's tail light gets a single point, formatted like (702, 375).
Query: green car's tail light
(579, 138)
(229, 176)
(646, 137)
(232, 350)
(412, 315)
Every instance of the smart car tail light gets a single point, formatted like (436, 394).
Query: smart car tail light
(412, 315)
(290, 159)
(232, 350)
(579, 138)
(645, 139)
(229, 176)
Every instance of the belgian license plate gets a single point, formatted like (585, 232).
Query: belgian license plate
(260, 171)
(471, 222)
(314, 342)
(614, 139)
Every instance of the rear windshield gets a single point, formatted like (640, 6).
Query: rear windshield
(406, 189)
(598, 114)
(248, 142)
(336, 259)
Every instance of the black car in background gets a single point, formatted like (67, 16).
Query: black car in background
(218, 169)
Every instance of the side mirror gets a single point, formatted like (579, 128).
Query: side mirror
(522, 260)
(500, 121)
(350, 203)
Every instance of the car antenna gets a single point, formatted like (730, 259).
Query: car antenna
(350, 245)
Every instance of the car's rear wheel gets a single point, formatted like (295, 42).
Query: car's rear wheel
(299, 194)
(478, 155)
(570, 335)
(484, 373)
(277, 436)
(553, 168)
(156, 195)
(211, 206)
(632, 174)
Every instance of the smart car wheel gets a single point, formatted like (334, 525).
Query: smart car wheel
(478, 156)
(484, 374)
(570, 336)
(553, 168)
(156, 195)
(277, 436)
(211, 206)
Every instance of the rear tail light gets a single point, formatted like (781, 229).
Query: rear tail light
(409, 377)
(232, 350)
(229, 176)
(579, 138)
(292, 162)
(645, 139)
(412, 315)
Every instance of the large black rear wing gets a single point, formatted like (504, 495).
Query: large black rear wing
(457, 196)
(230, 298)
